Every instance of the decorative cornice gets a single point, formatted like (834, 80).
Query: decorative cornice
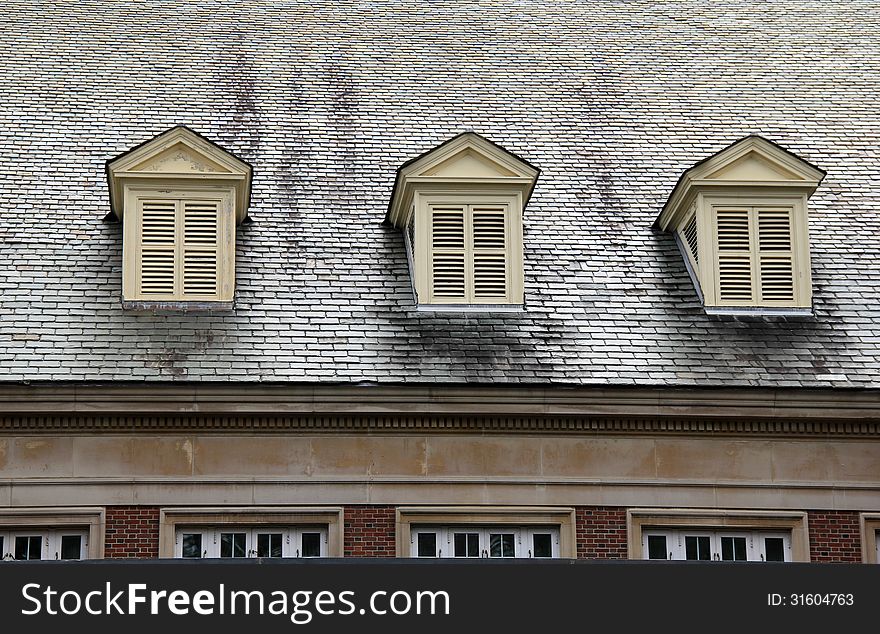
(433, 424)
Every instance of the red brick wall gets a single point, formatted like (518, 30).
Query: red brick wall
(601, 532)
(834, 536)
(369, 531)
(132, 532)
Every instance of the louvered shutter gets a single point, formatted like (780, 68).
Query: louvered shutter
(157, 247)
(448, 252)
(775, 255)
(735, 281)
(178, 249)
(200, 247)
(489, 252)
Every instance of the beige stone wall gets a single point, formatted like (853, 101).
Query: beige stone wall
(414, 468)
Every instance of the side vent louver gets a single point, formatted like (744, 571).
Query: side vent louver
(690, 236)
(411, 234)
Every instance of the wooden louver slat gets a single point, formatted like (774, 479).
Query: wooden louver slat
(157, 247)
(489, 252)
(776, 265)
(448, 252)
(734, 256)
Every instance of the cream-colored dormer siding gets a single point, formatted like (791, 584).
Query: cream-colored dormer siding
(740, 217)
(461, 207)
(179, 197)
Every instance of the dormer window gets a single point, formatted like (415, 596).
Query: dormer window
(740, 218)
(461, 207)
(179, 197)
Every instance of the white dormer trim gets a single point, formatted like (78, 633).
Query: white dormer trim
(466, 161)
(740, 217)
(179, 197)
(177, 159)
(461, 206)
(782, 171)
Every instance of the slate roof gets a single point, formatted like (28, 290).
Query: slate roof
(611, 100)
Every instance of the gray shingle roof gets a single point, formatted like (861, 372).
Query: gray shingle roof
(612, 101)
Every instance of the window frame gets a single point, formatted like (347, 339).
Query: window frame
(869, 525)
(291, 539)
(255, 519)
(53, 523)
(445, 544)
(709, 266)
(756, 547)
(792, 524)
(50, 540)
(135, 195)
(423, 201)
(411, 521)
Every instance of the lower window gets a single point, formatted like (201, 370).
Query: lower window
(39, 544)
(702, 545)
(237, 542)
(471, 542)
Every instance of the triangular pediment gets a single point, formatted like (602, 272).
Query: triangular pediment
(754, 159)
(754, 166)
(467, 160)
(174, 158)
(468, 163)
(752, 162)
(179, 151)
(180, 159)
(469, 156)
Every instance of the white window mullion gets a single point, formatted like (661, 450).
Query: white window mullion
(250, 544)
(47, 543)
(213, 546)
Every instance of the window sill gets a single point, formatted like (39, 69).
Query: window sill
(470, 308)
(759, 311)
(177, 307)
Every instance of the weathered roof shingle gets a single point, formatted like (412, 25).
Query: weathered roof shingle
(612, 101)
